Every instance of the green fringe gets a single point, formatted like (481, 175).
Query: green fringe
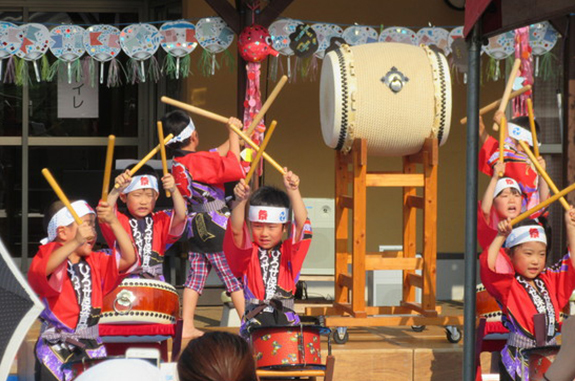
(185, 66)
(21, 72)
(169, 66)
(92, 72)
(54, 69)
(273, 68)
(45, 68)
(549, 66)
(77, 70)
(205, 63)
(228, 60)
(492, 70)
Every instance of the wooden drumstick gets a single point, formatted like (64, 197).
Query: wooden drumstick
(508, 88)
(163, 153)
(542, 205)
(502, 142)
(266, 105)
(60, 193)
(263, 146)
(108, 166)
(532, 125)
(219, 118)
(493, 105)
(543, 174)
(146, 158)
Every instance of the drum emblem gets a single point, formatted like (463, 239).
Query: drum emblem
(394, 79)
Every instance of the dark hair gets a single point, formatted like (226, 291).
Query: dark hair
(217, 356)
(50, 211)
(269, 196)
(539, 221)
(144, 170)
(523, 121)
(174, 123)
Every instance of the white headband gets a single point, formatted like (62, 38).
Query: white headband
(504, 183)
(142, 182)
(186, 133)
(64, 218)
(522, 234)
(268, 214)
(520, 133)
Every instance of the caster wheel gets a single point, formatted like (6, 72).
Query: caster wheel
(417, 328)
(340, 335)
(453, 334)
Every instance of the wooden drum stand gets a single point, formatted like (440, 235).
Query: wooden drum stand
(349, 303)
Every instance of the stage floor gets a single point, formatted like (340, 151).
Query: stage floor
(372, 353)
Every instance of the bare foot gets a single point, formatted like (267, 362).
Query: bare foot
(191, 333)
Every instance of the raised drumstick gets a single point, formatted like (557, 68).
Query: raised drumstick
(508, 88)
(493, 105)
(502, 131)
(163, 152)
(542, 205)
(263, 146)
(222, 119)
(266, 105)
(108, 166)
(532, 125)
(543, 174)
(60, 193)
(146, 158)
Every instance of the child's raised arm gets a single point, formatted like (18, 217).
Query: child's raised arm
(291, 182)
(488, 196)
(127, 252)
(84, 233)
(180, 210)
(504, 229)
(570, 227)
(122, 180)
(237, 219)
(233, 142)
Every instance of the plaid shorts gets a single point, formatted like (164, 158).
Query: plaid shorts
(200, 266)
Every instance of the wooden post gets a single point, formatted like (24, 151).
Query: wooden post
(409, 231)
(430, 225)
(341, 226)
(359, 228)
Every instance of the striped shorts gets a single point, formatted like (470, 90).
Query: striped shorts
(200, 266)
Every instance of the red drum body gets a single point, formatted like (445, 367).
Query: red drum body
(141, 301)
(486, 306)
(539, 360)
(80, 366)
(297, 347)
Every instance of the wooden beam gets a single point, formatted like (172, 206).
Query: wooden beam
(272, 11)
(346, 202)
(415, 202)
(417, 307)
(387, 321)
(345, 281)
(373, 262)
(394, 180)
(227, 12)
(415, 280)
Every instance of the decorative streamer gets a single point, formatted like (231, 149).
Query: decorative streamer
(525, 75)
(178, 41)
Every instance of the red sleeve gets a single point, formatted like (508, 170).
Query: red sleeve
(238, 257)
(498, 283)
(43, 285)
(298, 250)
(108, 266)
(164, 219)
(211, 168)
(562, 276)
(490, 146)
(485, 233)
(107, 232)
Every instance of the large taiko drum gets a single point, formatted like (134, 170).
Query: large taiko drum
(486, 306)
(141, 301)
(297, 347)
(393, 95)
(539, 360)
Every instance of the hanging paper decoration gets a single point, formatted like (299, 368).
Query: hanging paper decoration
(398, 34)
(215, 36)
(140, 42)
(498, 48)
(179, 40)
(433, 36)
(542, 38)
(455, 34)
(67, 45)
(102, 42)
(458, 49)
(280, 31)
(10, 41)
(525, 74)
(303, 41)
(36, 39)
(325, 33)
(358, 35)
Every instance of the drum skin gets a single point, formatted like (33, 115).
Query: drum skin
(539, 360)
(393, 95)
(152, 302)
(278, 347)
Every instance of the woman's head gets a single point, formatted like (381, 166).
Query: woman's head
(527, 246)
(507, 198)
(268, 215)
(217, 356)
(181, 126)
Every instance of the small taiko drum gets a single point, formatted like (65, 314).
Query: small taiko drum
(539, 360)
(486, 306)
(141, 301)
(393, 95)
(294, 347)
(80, 366)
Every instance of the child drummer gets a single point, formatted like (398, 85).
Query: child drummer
(152, 232)
(269, 266)
(72, 279)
